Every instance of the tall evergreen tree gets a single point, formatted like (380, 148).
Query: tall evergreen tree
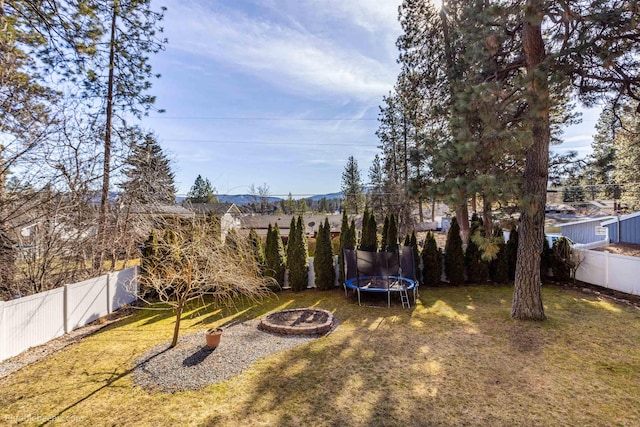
(147, 172)
(202, 191)
(602, 164)
(323, 264)
(352, 188)
(627, 159)
(413, 242)
(291, 239)
(454, 255)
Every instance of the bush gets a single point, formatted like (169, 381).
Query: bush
(545, 260)
(512, 252)
(255, 243)
(499, 267)
(431, 261)
(323, 265)
(369, 239)
(477, 269)
(297, 261)
(274, 256)
(561, 259)
(454, 255)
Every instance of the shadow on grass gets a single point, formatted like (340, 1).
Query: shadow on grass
(114, 377)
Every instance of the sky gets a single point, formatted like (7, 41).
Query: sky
(279, 92)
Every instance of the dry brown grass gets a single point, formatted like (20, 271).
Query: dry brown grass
(456, 359)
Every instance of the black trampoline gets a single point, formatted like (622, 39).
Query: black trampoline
(381, 272)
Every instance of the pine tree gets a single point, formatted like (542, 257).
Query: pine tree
(602, 165)
(202, 191)
(298, 262)
(323, 264)
(454, 255)
(147, 172)
(352, 186)
(627, 159)
(431, 261)
(274, 256)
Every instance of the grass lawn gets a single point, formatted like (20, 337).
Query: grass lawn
(455, 359)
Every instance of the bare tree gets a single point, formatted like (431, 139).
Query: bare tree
(190, 264)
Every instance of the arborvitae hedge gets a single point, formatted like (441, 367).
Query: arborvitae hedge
(291, 238)
(477, 269)
(274, 256)
(353, 235)
(512, 252)
(369, 240)
(545, 260)
(344, 239)
(385, 234)
(298, 262)
(454, 255)
(416, 253)
(431, 261)
(499, 267)
(561, 259)
(364, 231)
(256, 245)
(323, 265)
(392, 237)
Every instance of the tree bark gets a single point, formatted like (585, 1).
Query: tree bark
(527, 298)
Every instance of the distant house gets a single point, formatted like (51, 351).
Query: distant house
(586, 231)
(228, 214)
(561, 209)
(624, 229)
(260, 223)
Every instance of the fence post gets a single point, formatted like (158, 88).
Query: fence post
(606, 269)
(65, 309)
(3, 338)
(109, 305)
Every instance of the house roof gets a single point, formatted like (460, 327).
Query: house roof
(157, 209)
(588, 220)
(216, 208)
(622, 218)
(261, 222)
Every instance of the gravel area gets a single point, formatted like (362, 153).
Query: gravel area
(191, 365)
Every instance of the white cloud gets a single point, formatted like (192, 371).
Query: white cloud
(295, 60)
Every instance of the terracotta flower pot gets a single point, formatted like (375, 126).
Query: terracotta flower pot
(213, 336)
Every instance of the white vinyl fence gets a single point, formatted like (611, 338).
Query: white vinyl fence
(35, 319)
(608, 270)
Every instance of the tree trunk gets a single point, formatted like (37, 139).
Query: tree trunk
(106, 168)
(527, 298)
(176, 328)
(462, 215)
(487, 219)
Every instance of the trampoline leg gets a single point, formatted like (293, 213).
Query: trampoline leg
(388, 299)
(359, 297)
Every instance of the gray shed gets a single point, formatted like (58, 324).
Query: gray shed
(625, 228)
(586, 231)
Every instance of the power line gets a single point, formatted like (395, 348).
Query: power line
(302, 144)
(318, 119)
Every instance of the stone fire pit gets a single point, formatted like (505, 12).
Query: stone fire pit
(298, 321)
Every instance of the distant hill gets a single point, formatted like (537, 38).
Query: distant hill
(245, 199)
